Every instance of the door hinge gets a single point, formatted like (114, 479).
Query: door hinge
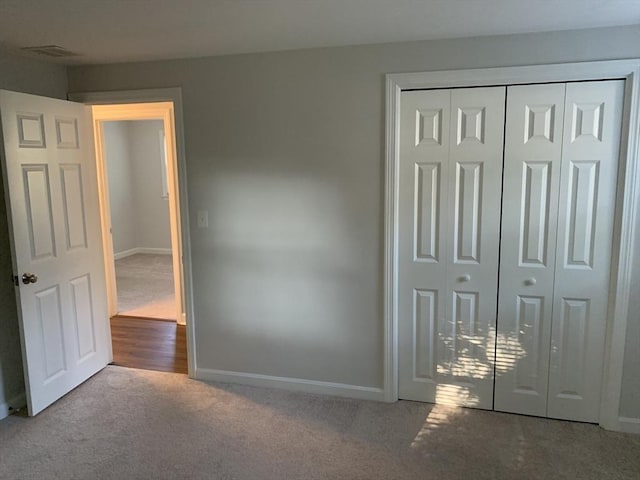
(16, 281)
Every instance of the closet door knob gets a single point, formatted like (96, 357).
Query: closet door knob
(464, 278)
(530, 281)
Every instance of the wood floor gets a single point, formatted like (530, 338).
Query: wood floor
(149, 344)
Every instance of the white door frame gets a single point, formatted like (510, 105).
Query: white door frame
(626, 205)
(162, 111)
(180, 211)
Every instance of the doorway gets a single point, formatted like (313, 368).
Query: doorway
(135, 151)
(135, 160)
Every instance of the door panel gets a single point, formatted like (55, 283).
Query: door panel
(50, 332)
(425, 322)
(73, 203)
(467, 337)
(451, 153)
(39, 212)
(533, 155)
(424, 169)
(83, 316)
(427, 225)
(583, 263)
(50, 183)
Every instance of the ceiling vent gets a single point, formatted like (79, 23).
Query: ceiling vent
(51, 51)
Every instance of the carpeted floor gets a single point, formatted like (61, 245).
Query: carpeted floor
(145, 286)
(135, 424)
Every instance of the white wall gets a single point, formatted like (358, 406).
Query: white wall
(139, 212)
(286, 151)
(21, 75)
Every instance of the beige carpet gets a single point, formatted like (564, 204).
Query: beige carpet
(135, 424)
(145, 286)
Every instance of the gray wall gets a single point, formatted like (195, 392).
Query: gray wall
(630, 402)
(152, 209)
(139, 212)
(286, 151)
(28, 76)
(119, 173)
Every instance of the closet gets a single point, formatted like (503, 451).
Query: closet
(505, 219)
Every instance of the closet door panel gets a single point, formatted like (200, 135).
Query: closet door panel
(533, 154)
(466, 340)
(448, 229)
(422, 178)
(583, 261)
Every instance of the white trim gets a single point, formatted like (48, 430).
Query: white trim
(15, 403)
(136, 250)
(171, 94)
(627, 200)
(629, 425)
(174, 95)
(287, 383)
(125, 253)
(154, 251)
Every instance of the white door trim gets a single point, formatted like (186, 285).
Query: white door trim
(626, 206)
(164, 95)
(162, 111)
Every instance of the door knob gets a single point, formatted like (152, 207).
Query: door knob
(530, 281)
(28, 278)
(464, 278)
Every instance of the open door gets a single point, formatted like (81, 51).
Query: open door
(51, 189)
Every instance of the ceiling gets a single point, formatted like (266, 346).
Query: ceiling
(107, 31)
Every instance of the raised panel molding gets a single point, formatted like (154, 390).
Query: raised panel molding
(468, 212)
(534, 226)
(471, 125)
(587, 121)
(429, 127)
(539, 122)
(67, 132)
(427, 208)
(39, 213)
(529, 327)
(31, 130)
(582, 207)
(73, 202)
(572, 346)
(83, 315)
(463, 342)
(425, 309)
(51, 332)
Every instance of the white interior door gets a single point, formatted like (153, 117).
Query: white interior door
(50, 184)
(451, 144)
(591, 142)
(532, 159)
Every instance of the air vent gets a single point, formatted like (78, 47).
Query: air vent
(51, 51)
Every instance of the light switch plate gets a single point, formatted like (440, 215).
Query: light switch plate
(203, 219)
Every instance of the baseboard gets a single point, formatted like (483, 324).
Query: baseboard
(629, 424)
(134, 251)
(125, 253)
(155, 251)
(295, 384)
(15, 403)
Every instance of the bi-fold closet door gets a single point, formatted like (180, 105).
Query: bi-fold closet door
(553, 228)
(560, 170)
(451, 144)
